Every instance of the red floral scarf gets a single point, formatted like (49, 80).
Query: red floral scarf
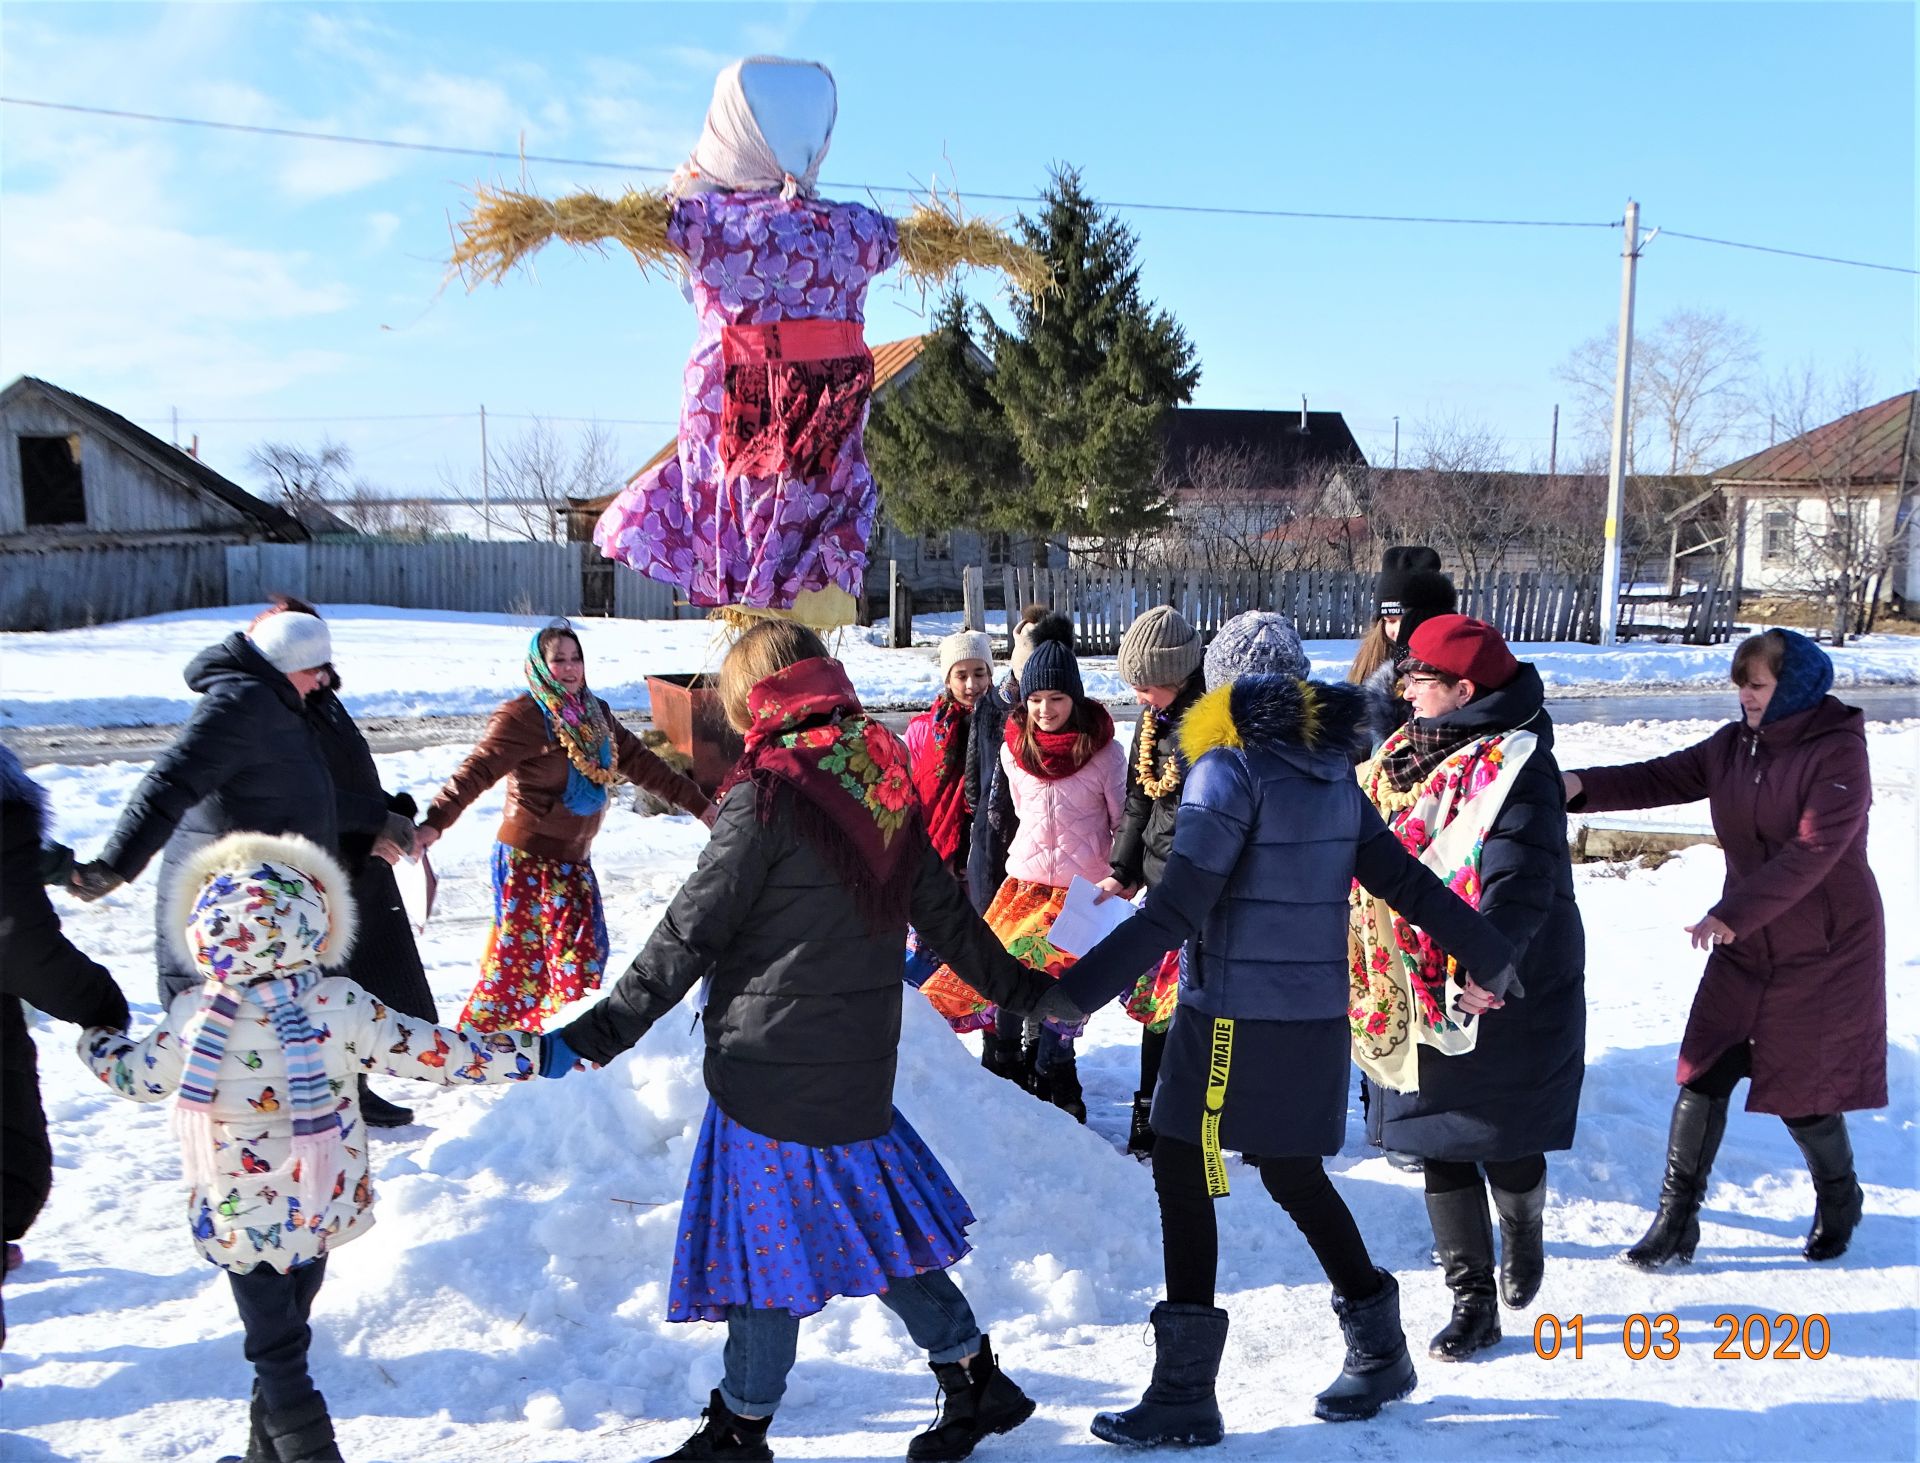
(855, 795)
(1060, 751)
(940, 778)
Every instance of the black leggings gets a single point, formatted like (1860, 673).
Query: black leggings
(1153, 1045)
(1735, 1064)
(1512, 1175)
(1190, 1234)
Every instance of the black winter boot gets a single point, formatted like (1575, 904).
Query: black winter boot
(723, 1434)
(1140, 1128)
(1000, 1055)
(1463, 1234)
(377, 1112)
(1063, 1087)
(1523, 1242)
(302, 1434)
(1378, 1369)
(1179, 1407)
(976, 1399)
(259, 1445)
(1693, 1138)
(1839, 1201)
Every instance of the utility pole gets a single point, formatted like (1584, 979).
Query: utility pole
(486, 482)
(1617, 463)
(1396, 444)
(1553, 446)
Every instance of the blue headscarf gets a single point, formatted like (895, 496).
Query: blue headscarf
(1805, 677)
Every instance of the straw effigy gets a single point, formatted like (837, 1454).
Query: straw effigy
(937, 240)
(508, 226)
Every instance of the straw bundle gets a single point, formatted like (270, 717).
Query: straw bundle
(508, 226)
(937, 240)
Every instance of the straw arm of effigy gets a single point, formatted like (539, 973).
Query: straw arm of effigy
(507, 227)
(936, 241)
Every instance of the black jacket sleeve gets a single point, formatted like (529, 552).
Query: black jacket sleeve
(948, 924)
(38, 963)
(1387, 871)
(697, 928)
(1129, 839)
(220, 739)
(1522, 856)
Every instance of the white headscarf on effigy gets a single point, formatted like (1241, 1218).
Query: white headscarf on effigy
(767, 130)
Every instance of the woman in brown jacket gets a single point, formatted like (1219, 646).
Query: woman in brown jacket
(560, 749)
(1795, 992)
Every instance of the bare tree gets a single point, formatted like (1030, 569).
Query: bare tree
(303, 480)
(1460, 495)
(1842, 531)
(1692, 393)
(532, 474)
(377, 513)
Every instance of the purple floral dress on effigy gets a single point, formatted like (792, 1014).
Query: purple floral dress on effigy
(755, 260)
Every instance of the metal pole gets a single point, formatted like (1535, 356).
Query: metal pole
(1553, 447)
(1396, 444)
(1617, 464)
(486, 482)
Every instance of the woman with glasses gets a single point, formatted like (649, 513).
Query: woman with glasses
(560, 748)
(1470, 788)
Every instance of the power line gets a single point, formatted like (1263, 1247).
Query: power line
(1134, 205)
(424, 416)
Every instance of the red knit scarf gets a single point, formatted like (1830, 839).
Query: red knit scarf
(1061, 754)
(854, 793)
(940, 779)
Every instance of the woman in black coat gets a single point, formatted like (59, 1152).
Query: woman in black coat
(39, 965)
(248, 760)
(794, 920)
(1445, 781)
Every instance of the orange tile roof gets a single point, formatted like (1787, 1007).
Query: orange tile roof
(889, 360)
(1873, 445)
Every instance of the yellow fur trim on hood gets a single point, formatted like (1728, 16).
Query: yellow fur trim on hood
(1208, 724)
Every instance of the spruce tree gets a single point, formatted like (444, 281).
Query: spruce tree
(939, 444)
(1086, 376)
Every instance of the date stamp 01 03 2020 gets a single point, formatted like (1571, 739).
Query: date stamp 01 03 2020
(1755, 1337)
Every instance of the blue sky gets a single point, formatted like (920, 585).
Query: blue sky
(238, 276)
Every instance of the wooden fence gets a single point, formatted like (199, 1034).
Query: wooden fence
(62, 588)
(1325, 605)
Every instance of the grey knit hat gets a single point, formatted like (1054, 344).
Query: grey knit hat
(965, 645)
(1159, 649)
(1257, 643)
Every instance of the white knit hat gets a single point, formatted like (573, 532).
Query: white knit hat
(291, 641)
(965, 645)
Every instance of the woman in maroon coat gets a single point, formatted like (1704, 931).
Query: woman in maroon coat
(1795, 991)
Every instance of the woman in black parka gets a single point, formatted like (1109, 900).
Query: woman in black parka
(39, 965)
(794, 919)
(248, 760)
(1475, 768)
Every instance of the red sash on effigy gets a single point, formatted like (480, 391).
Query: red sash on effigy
(794, 392)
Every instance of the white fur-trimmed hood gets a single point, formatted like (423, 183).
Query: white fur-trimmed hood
(238, 852)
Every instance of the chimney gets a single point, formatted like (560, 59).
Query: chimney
(194, 450)
(1303, 413)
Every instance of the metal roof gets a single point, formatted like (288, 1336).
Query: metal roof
(1871, 447)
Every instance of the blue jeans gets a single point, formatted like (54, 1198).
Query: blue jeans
(761, 1343)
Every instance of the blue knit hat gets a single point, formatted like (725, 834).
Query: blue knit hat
(1052, 667)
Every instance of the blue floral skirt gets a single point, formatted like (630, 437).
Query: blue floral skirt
(787, 1226)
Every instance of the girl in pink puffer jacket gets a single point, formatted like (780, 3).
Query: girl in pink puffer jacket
(1067, 779)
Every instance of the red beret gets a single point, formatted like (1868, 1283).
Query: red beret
(1465, 647)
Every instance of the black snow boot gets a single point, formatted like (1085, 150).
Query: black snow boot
(377, 1112)
(1063, 1087)
(1405, 1162)
(1140, 1127)
(1378, 1368)
(302, 1434)
(259, 1445)
(1000, 1055)
(723, 1434)
(977, 1399)
(1179, 1408)
(1839, 1201)
(1523, 1242)
(1463, 1234)
(1693, 1138)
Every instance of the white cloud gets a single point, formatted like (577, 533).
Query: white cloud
(381, 227)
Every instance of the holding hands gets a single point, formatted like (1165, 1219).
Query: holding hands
(91, 881)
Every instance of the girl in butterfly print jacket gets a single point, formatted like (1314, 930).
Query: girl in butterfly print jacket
(248, 1210)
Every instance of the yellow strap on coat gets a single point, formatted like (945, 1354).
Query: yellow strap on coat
(1219, 1061)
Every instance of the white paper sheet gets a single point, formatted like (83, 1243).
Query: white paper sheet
(418, 887)
(1082, 924)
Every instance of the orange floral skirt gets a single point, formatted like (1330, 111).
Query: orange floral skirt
(1021, 915)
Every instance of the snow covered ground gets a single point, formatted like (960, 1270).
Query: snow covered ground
(436, 663)
(508, 1304)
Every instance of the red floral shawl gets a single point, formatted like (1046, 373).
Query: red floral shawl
(940, 777)
(854, 798)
